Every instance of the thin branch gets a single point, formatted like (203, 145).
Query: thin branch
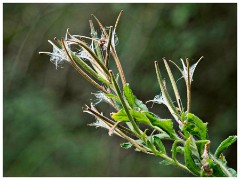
(108, 47)
(109, 120)
(135, 127)
(119, 66)
(188, 83)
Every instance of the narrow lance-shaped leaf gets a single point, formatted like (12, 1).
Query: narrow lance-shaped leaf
(225, 144)
(139, 117)
(159, 144)
(129, 95)
(189, 159)
(174, 150)
(126, 145)
(139, 105)
(133, 123)
(194, 126)
(164, 124)
(120, 116)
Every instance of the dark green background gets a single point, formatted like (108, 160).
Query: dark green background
(45, 131)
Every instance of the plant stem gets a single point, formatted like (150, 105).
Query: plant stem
(108, 46)
(224, 168)
(109, 121)
(119, 66)
(188, 83)
(135, 127)
(174, 162)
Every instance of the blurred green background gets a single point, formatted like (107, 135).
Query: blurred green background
(46, 133)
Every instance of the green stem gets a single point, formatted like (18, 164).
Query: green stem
(174, 162)
(110, 121)
(223, 167)
(135, 127)
(108, 47)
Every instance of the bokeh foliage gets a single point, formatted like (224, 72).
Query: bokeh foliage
(45, 131)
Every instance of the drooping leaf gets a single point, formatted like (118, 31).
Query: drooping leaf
(225, 144)
(120, 116)
(139, 105)
(180, 149)
(159, 144)
(174, 150)
(151, 146)
(189, 161)
(164, 124)
(139, 117)
(194, 126)
(126, 145)
(129, 95)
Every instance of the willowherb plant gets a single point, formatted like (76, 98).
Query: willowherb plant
(90, 57)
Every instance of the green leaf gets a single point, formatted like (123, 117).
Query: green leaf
(151, 146)
(200, 145)
(126, 145)
(217, 171)
(224, 145)
(120, 116)
(194, 126)
(129, 95)
(115, 99)
(143, 136)
(233, 172)
(174, 150)
(139, 105)
(159, 145)
(162, 136)
(166, 162)
(223, 159)
(164, 124)
(139, 117)
(112, 96)
(180, 149)
(188, 157)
